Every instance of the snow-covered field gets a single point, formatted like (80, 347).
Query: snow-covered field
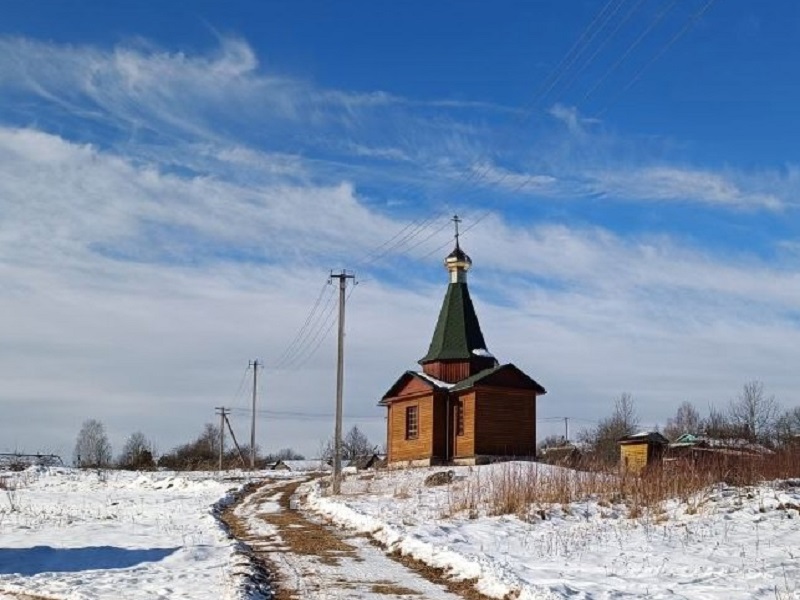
(727, 544)
(75, 534)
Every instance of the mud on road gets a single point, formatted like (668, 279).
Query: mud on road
(306, 558)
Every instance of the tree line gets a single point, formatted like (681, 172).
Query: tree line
(753, 416)
(93, 450)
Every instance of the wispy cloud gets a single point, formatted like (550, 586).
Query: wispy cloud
(569, 115)
(142, 269)
(683, 185)
(225, 98)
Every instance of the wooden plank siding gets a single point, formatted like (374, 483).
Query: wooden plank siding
(448, 371)
(463, 445)
(505, 422)
(634, 457)
(421, 447)
(452, 371)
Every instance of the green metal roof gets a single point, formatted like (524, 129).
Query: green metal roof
(457, 331)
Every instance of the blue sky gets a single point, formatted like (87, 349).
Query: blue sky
(178, 178)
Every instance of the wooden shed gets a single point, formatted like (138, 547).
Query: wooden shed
(641, 450)
(463, 407)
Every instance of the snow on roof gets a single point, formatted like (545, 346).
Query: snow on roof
(482, 352)
(437, 382)
(307, 465)
(644, 436)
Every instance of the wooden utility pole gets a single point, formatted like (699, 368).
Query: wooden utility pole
(343, 276)
(222, 412)
(255, 366)
(235, 443)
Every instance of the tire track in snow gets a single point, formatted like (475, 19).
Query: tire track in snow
(312, 560)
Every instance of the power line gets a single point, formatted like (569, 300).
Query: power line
(476, 172)
(547, 85)
(318, 322)
(241, 386)
(304, 327)
(659, 17)
(416, 231)
(604, 42)
(311, 334)
(301, 416)
(316, 339)
(693, 19)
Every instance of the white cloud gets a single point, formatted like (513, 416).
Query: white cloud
(138, 280)
(680, 184)
(154, 344)
(226, 99)
(490, 175)
(569, 115)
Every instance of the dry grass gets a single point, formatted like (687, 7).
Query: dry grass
(525, 489)
(391, 589)
(10, 486)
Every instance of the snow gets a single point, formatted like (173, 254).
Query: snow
(482, 352)
(437, 382)
(310, 465)
(88, 534)
(351, 569)
(729, 543)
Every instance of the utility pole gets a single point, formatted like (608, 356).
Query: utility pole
(566, 429)
(233, 437)
(255, 365)
(343, 276)
(222, 412)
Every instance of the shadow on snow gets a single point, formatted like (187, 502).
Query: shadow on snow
(46, 559)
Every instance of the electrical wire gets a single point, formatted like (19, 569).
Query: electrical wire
(659, 17)
(477, 173)
(241, 385)
(301, 415)
(320, 336)
(693, 19)
(311, 333)
(304, 327)
(547, 85)
(315, 329)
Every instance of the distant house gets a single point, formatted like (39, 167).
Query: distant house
(463, 407)
(310, 466)
(15, 461)
(641, 450)
(566, 455)
(373, 461)
(702, 450)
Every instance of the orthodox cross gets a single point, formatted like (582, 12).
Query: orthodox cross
(456, 221)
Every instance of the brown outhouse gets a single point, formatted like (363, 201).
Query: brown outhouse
(463, 407)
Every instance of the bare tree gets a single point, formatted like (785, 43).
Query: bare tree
(603, 438)
(551, 441)
(288, 454)
(357, 444)
(754, 412)
(202, 453)
(787, 427)
(92, 448)
(686, 420)
(625, 413)
(137, 453)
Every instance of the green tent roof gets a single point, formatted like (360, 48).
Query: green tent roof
(457, 331)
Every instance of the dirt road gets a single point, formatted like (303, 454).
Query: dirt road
(311, 560)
